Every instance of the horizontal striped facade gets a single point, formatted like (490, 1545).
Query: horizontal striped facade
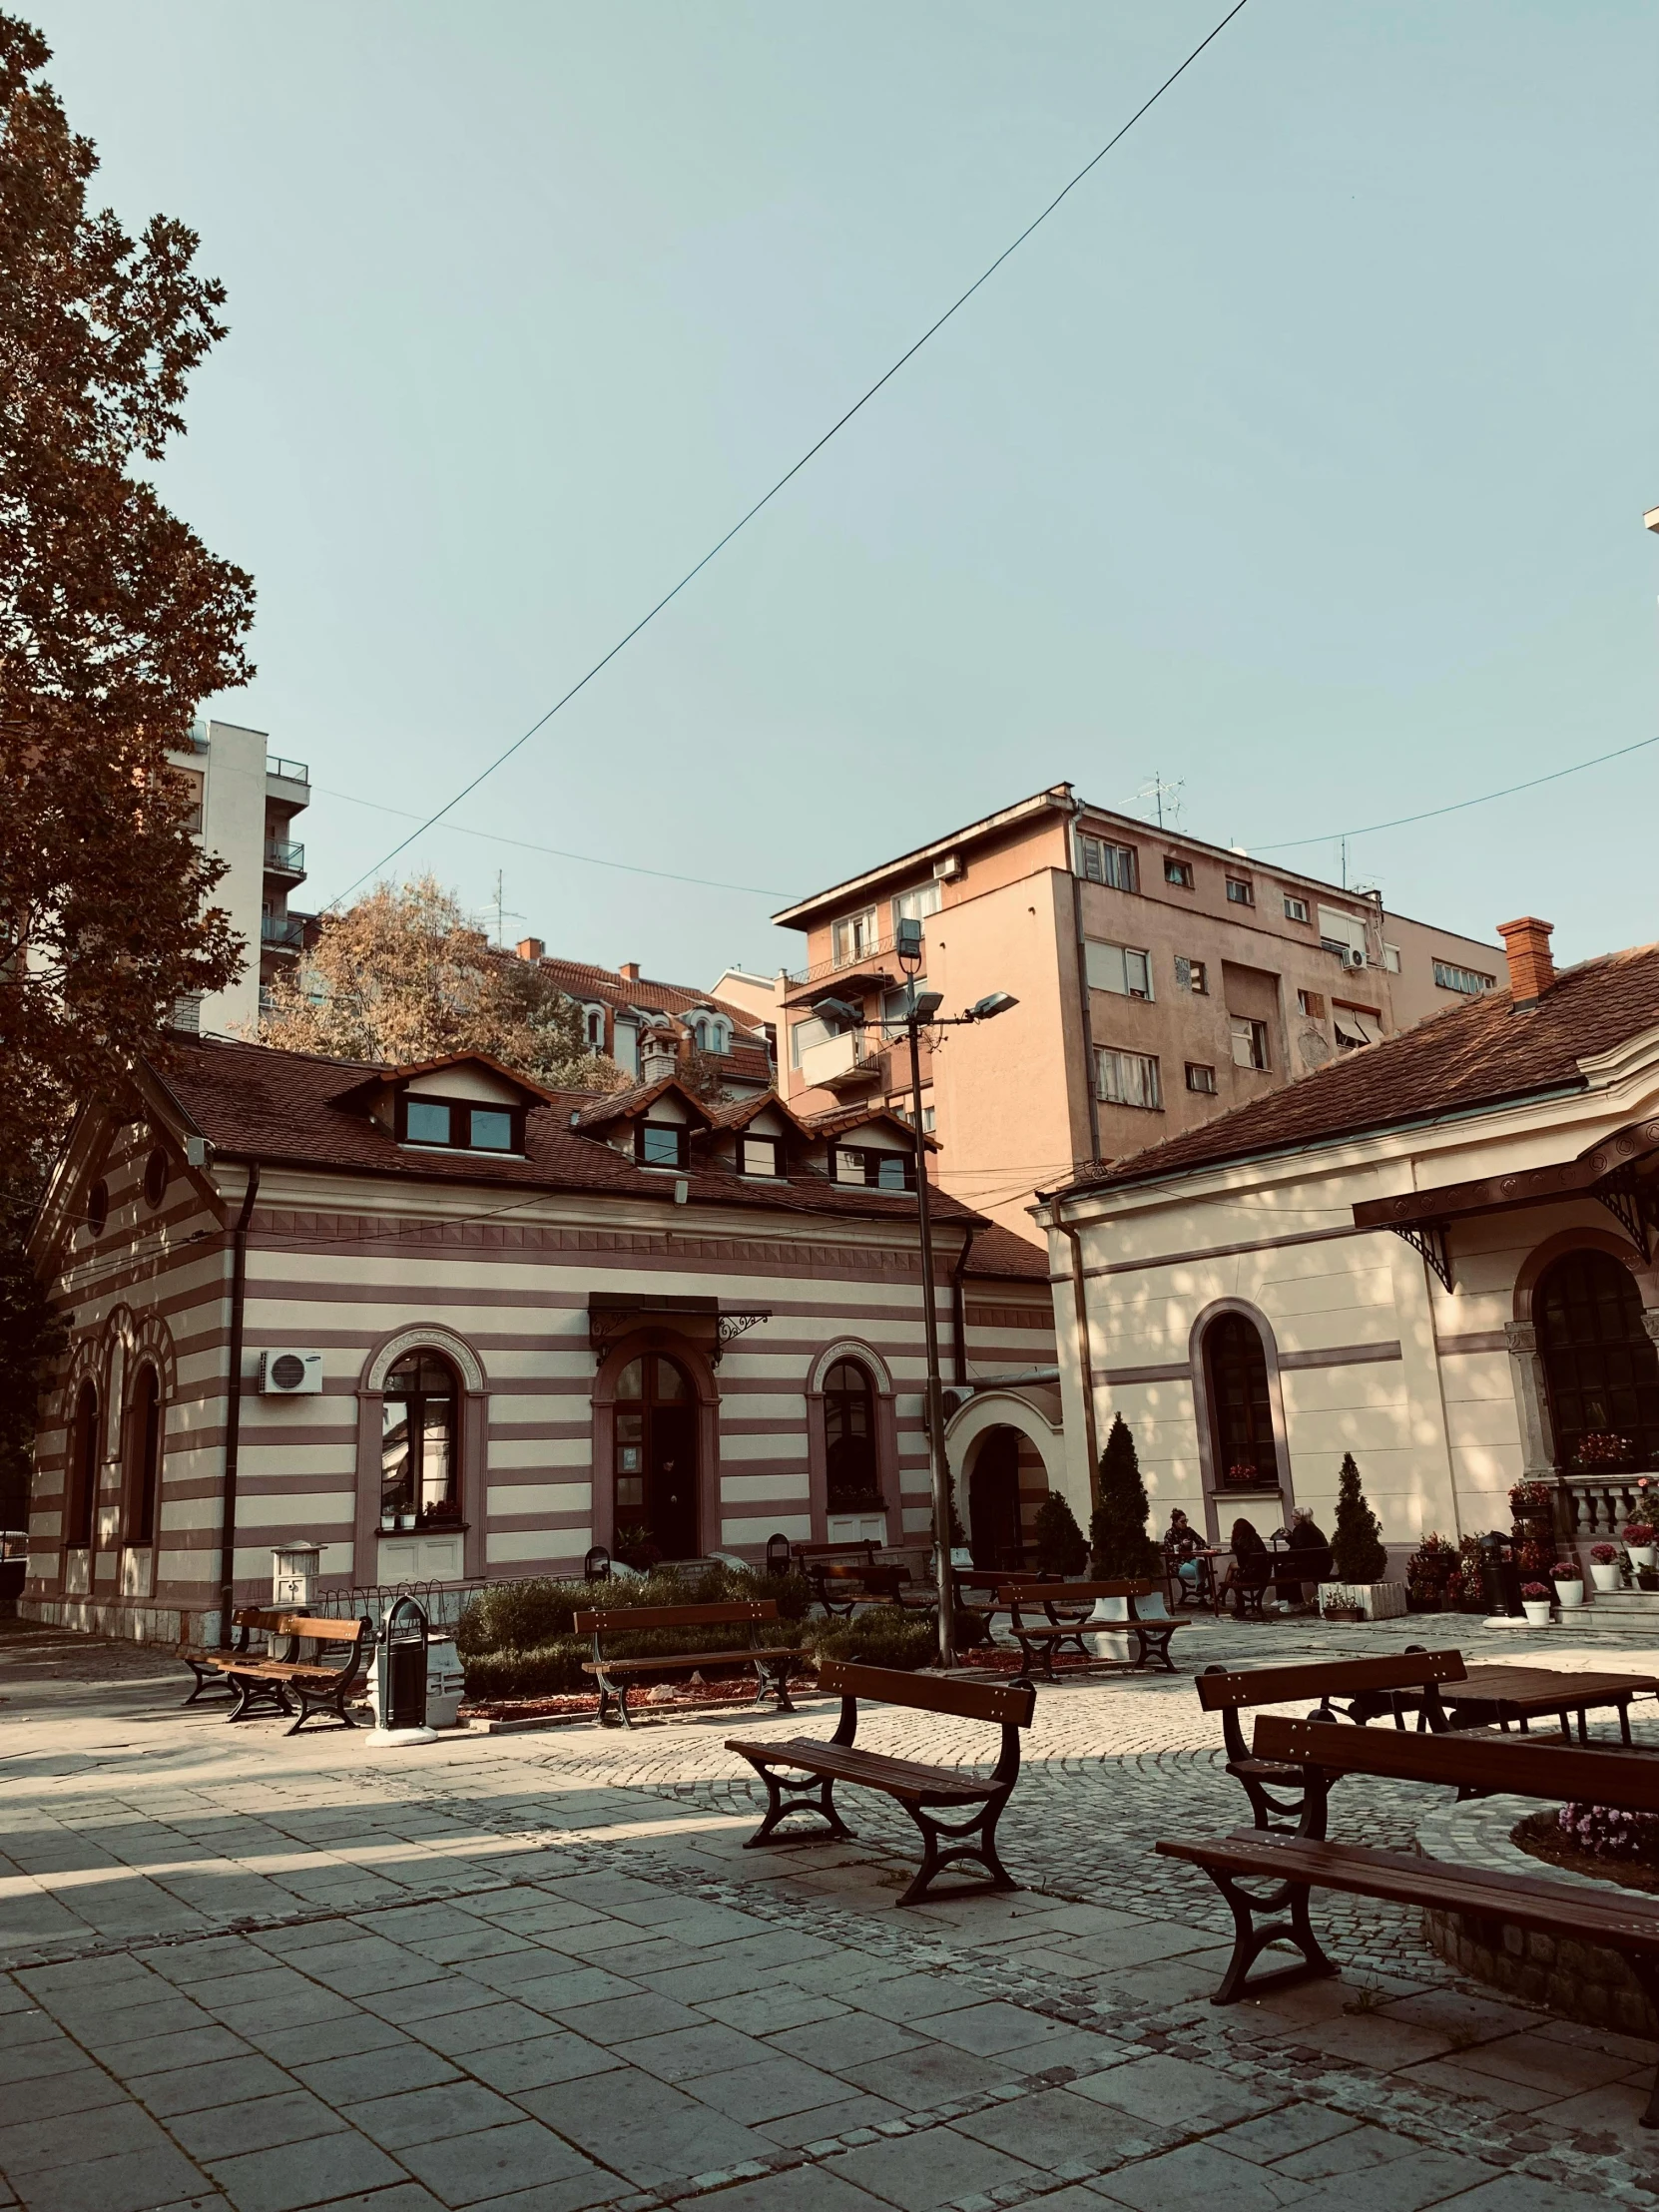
(358, 1268)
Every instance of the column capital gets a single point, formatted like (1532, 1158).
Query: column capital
(1650, 1321)
(1523, 1335)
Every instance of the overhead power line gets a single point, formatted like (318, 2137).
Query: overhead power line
(1460, 805)
(812, 451)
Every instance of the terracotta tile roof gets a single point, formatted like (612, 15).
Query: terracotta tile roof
(834, 1121)
(999, 1252)
(584, 982)
(1477, 1054)
(253, 1102)
(638, 1099)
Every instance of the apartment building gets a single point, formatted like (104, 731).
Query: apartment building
(246, 804)
(1160, 981)
(653, 1029)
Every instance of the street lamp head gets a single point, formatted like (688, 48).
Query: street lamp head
(927, 1005)
(986, 1009)
(839, 1013)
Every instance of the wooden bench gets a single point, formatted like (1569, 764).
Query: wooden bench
(271, 1684)
(1067, 1616)
(1622, 1920)
(812, 1770)
(210, 1667)
(1364, 1689)
(615, 1673)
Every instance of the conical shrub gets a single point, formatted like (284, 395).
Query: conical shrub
(1118, 1542)
(1357, 1548)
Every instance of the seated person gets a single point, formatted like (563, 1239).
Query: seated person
(1252, 1564)
(1304, 1535)
(1182, 1545)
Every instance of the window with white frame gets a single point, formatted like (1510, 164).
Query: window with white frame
(1296, 909)
(1127, 1078)
(855, 937)
(1118, 967)
(875, 1170)
(1201, 1077)
(1390, 959)
(711, 1033)
(805, 1034)
(760, 1156)
(1178, 871)
(1356, 1025)
(593, 1029)
(1250, 1043)
(1099, 862)
(1240, 892)
(1191, 975)
(1339, 933)
(917, 904)
(1470, 981)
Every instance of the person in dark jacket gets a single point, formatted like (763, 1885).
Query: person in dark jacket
(1304, 1535)
(1252, 1564)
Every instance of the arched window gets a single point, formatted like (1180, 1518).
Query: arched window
(419, 1465)
(655, 1459)
(82, 1473)
(1601, 1370)
(850, 1438)
(593, 1029)
(1241, 1412)
(145, 1456)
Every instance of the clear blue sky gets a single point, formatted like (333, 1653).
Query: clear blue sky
(1301, 455)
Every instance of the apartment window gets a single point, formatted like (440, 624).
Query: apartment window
(1120, 968)
(1356, 1025)
(1250, 1043)
(876, 1171)
(760, 1156)
(1127, 1078)
(1339, 933)
(1312, 1003)
(1100, 863)
(1201, 1078)
(897, 1004)
(855, 937)
(593, 1029)
(1240, 892)
(1179, 872)
(1191, 975)
(1469, 980)
(458, 1127)
(901, 1108)
(1296, 909)
(917, 905)
(1390, 959)
(709, 1034)
(662, 1144)
(805, 1034)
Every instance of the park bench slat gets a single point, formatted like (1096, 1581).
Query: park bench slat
(772, 1662)
(907, 1780)
(704, 1658)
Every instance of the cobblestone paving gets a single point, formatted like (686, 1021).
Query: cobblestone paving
(540, 1973)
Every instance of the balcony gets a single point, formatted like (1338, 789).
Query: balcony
(283, 932)
(843, 1063)
(281, 858)
(874, 969)
(287, 772)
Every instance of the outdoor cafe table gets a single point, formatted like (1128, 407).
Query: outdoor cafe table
(1502, 1694)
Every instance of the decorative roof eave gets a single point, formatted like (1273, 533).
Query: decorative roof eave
(384, 1076)
(625, 1105)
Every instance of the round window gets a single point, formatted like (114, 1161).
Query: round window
(156, 1177)
(98, 1207)
(287, 1372)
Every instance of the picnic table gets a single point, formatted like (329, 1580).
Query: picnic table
(1500, 1693)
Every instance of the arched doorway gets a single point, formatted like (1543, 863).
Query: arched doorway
(853, 1482)
(994, 1533)
(656, 1457)
(1601, 1367)
(1241, 1408)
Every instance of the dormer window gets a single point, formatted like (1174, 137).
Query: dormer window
(710, 1033)
(456, 1125)
(593, 1029)
(876, 1171)
(662, 1144)
(760, 1156)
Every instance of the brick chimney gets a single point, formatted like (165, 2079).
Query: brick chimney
(629, 971)
(530, 948)
(1531, 964)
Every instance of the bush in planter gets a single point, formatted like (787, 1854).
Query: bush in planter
(880, 1636)
(1357, 1551)
(551, 1670)
(1118, 1542)
(1430, 1571)
(525, 1616)
(1059, 1542)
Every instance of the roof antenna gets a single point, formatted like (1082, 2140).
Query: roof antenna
(1158, 791)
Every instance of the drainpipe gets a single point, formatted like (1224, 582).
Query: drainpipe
(1080, 1314)
(232, 1407)
(1081, 959)
(958, 1309)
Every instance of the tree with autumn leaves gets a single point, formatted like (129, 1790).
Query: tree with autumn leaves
(115, 621)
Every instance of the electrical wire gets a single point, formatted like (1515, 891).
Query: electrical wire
(812, 451)
(1460, 806)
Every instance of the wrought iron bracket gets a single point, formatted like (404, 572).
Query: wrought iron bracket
(1624, 1199)
(1430, 1238)
(731, 1325)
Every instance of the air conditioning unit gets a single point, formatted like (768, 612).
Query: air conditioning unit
(949, 869)
(1352, 957)
(291, 1373)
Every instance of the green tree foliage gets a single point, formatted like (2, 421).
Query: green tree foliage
(1118, 1542)
(1059, 1541)
(1357, 1550)
(403, 977)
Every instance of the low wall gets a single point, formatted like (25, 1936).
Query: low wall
(129, 1620)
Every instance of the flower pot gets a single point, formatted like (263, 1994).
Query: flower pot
(388, 1521)
(405, 1523)
(1606, 1574)
(1569, 1593)
(1641, 1555)
(1536, 1610)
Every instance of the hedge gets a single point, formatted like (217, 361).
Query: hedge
(881, 1636)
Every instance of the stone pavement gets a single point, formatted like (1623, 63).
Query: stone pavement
(539, 1973)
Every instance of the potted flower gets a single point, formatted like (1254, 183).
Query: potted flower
(1535, 1602)
(388, 1519)
(406, 1521)
(1638, 1541)
(1606, 1572)
(1528, 1500)
(1570, 1585)
(1601, 1452)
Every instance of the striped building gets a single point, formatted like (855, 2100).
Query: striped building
(451, 1327)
